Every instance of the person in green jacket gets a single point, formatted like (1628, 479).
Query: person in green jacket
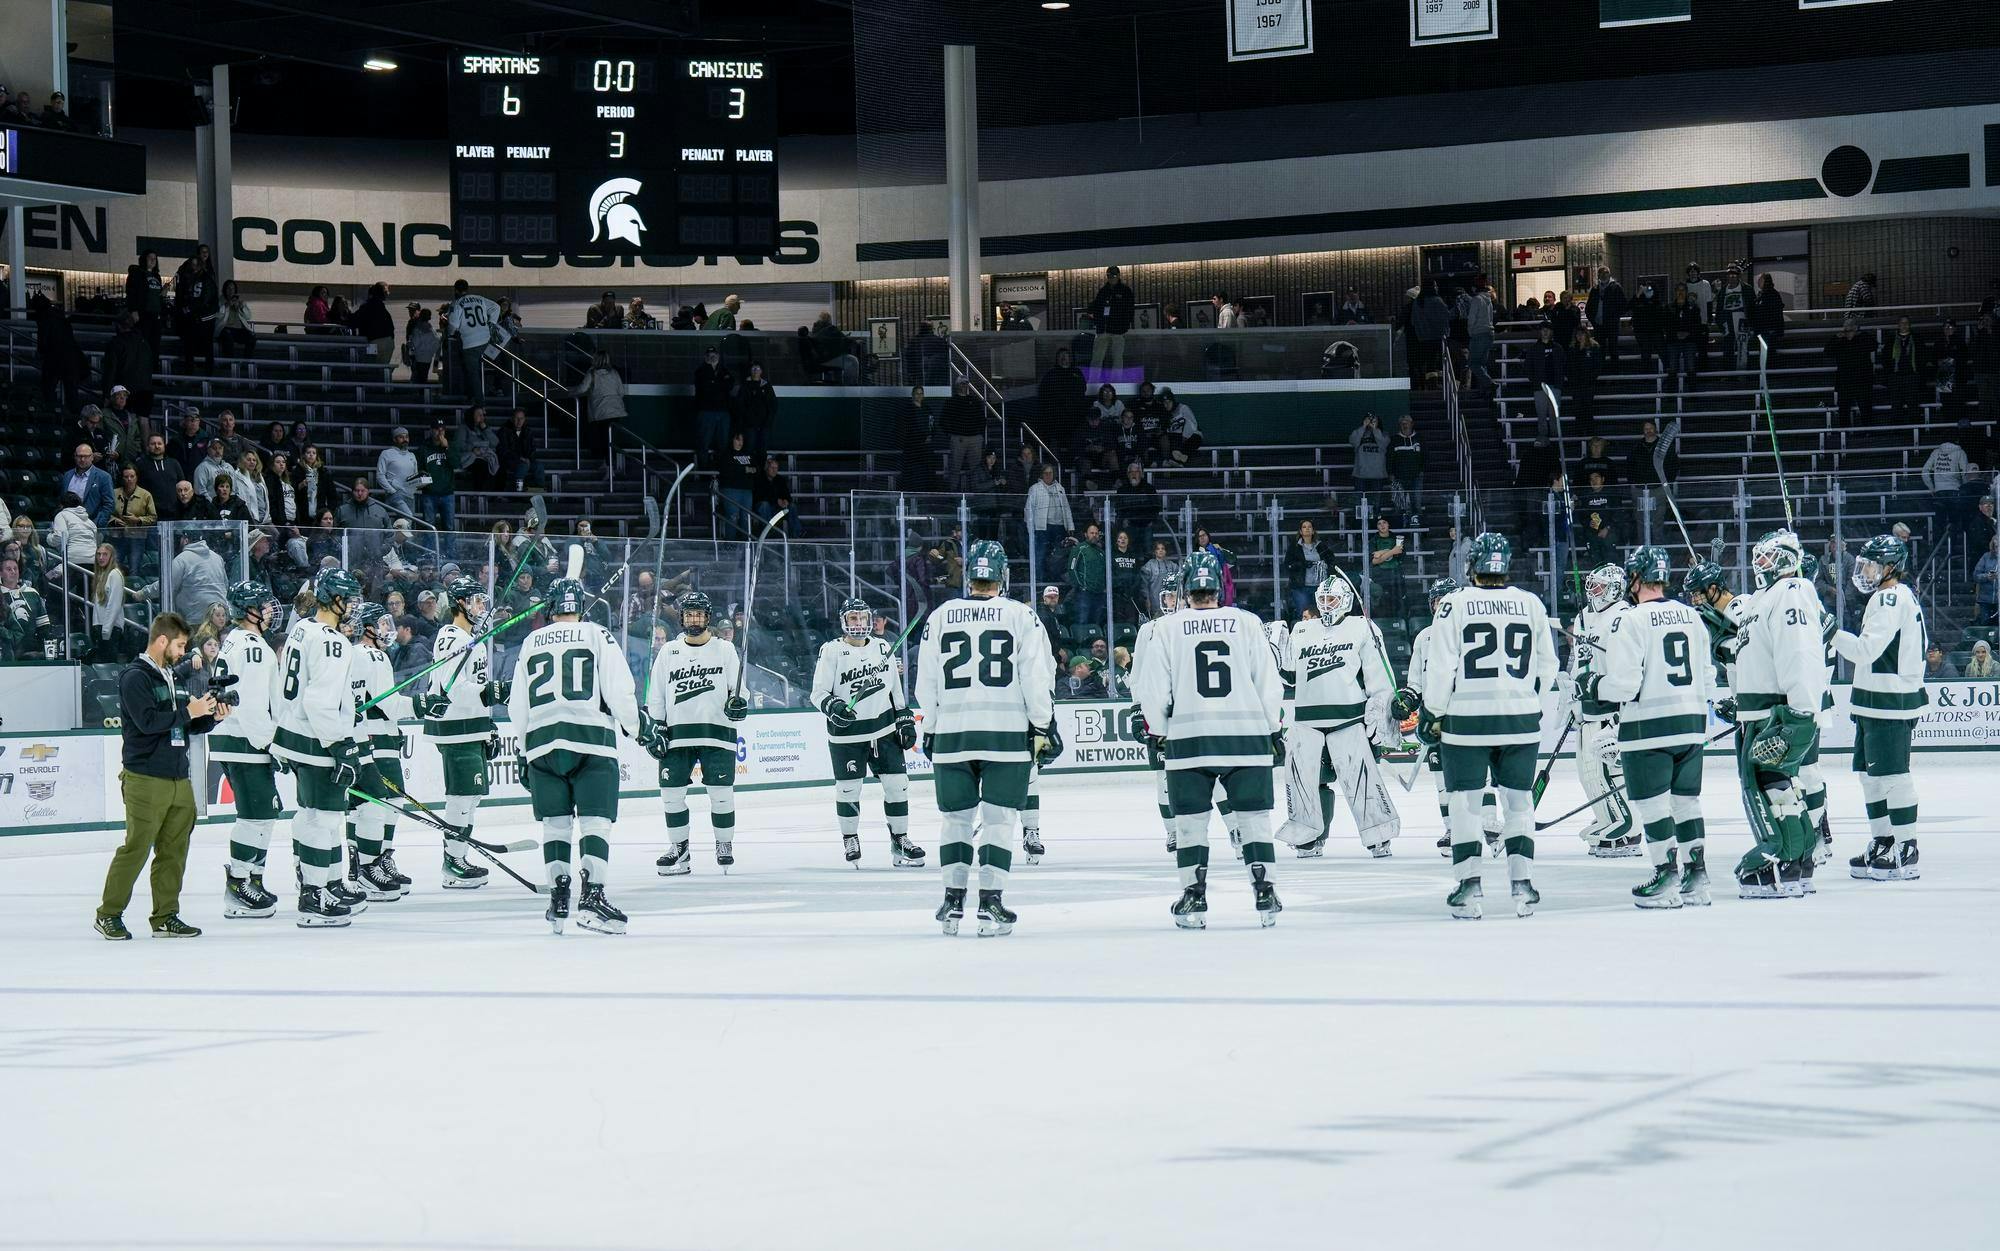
(1086, 580)
(438, 466)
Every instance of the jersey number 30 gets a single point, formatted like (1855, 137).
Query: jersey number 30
(579, 676)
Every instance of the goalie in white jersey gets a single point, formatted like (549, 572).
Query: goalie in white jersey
(1598, 765)
(1210, 690)
(1888, 698)
(1339, 672)
(858, 686)
(242, 747)
(1491, 656)
(572, 695)
(319, 689)
(1653, 666)
(691, 700)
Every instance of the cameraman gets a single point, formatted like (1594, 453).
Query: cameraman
(159, 800)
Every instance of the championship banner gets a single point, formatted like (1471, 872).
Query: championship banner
(1268, 28)
(1453, 21)
(1642, 12)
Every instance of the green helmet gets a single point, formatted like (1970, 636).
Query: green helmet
(1701, 576)
(1649, 564)
(336, 585)
(1490, 554)
(366, 618)
(1776, 557)
(692, 602)
(986, 561)
(1879, 557)
(461, 591)
(855, 607)
(1202, 572)
(1438, 590)
(248, 597)
(566, 595)
(1170, 590)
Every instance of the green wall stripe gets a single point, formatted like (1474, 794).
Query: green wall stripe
(1924, 173)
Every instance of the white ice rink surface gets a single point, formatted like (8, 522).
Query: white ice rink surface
(793, 1057)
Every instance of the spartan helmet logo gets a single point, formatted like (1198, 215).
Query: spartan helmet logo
(612, 213)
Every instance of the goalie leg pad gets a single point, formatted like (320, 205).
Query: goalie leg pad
(1361, 784)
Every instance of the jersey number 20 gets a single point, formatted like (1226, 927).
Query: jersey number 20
(579, 676)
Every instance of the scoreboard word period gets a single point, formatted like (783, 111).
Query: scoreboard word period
(625, 150)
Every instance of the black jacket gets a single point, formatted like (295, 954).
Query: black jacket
(1111, 308)
(1853, 360)
(1605, 306)
(1649, 317)
(128, 362)
(1138, 502)
(1060, 398)
(712, 384)
(963, 414)
(159, 477)
(1545, 364)
(150, 715)
(373, 321)
(755, 403)
(1642, 469)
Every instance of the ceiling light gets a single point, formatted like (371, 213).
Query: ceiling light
(1055, 5)
(379, 64)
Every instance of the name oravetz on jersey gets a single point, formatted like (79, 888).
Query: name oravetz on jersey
(692, 679)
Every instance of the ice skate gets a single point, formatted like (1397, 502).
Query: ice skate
(1525, 897)
(904, 854)
(353, 898)
(1266, 892)
(388, 863)
(995, 921)
(678, 862)
(1444, 846)
(1031, 844)
(245, 897)
(1191, 909)
(381, 885)
(850, 849)
(1694, 881)
(1381, 850)
(1662, 890)
(1314, 849)
(1464, 900)
(1857, 866)
(952, 910)
(318, 907)
(1824, 852)
(558, 911)
(595, 913)
(1797, 875)
(1763, 882)
(459, 871)
(1894, 862)
(725, 853)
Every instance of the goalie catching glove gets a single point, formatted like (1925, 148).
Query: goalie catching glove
(1781, 745)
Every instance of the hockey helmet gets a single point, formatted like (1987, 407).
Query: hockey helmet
(1335, 598)
(1170, 592)
(1776, 557)
(336, 588)
(1879, 557)
(986, 561)
(1703, 576)
(1603, 587)
(567, 597)
(1649, 565)
(366, 617)
(1490, 554)
(467, 595)
(248, 597)
(692, 604)
(1809, 566)
(1438, 590)
(855, 617)
(1202, 572)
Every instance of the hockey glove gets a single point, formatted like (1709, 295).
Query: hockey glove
(1430, 728)
(906, 729)
(1406, 704)
(1277, 747)
(930, 743)
(663, 740)
(838, 715)
(1046, 743)
(491, 747)
(735, 708)
(280, 764)
(649, 729)
(346, 764)
(1586, 685)
(495, 692)
(1726, 709)
(430, 707)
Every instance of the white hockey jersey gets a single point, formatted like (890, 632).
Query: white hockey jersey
(244, 737)
(475, 320)
(468, 719)
(1737, 610)
(1888, 657)
(844, 667)
(1210, 681)
(572, 692)
(687, 689)
(380, 729)
(1340, 674)
(985, 677)
(1588, 635)
(319, 687)
(1781, 659)
(1658, 674)
(1490, 658)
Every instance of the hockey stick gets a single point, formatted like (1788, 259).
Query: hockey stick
(660, 564)
(1678, 523)
(477, 846)
(1542, 779)
(750, 598)
(465, 654)
(519, 844)
(1725, 732)
(1569, 494)
(893, 648)
(1771, 424)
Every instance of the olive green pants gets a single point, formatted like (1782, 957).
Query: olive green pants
(159, 820)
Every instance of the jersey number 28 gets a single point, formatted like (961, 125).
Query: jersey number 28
(995, 649)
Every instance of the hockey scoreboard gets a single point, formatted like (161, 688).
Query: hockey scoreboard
(625, 150)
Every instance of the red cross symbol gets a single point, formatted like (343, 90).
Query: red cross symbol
(1522, 255)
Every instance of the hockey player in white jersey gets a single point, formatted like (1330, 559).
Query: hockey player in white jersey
(1210, 688)
(474, 321)
(1652, 664)
(1888, 698)
(1491, 656)
(858, 686)
(371, 831)
(690, 697)
(1156, 760)
(242, 747)
(458, 720)
(319, 689)
(571, 696)
(1812, 778)
(1780, 675)
(1409, 701)
(986, 682)
(1598, 767)
(1340, 711)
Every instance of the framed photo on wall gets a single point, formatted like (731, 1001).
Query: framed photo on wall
(1146, 316)
(940, 326)
(1198, 315)
(885, 337)
(1316, 308)
(1260, 310)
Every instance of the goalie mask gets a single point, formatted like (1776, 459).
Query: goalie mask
(1776, 557)
(855, 617)
(1603, 587)
(1335, 599)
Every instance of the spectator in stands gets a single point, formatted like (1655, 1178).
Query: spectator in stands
(1385, 560)
(734, 479)
(134, 512)
(1226, 316)
(212, 466)
(833, 350)
(56, 116)
(1853, 361)
(284, 502)
(478, 451)
(1059, 399)
(365, 519)
(1025, 472)
(16, 110)
(1596, 459)
(725, 318)
(1306, 562)
(1767, 312)
(1139, 505)
(198, 578)
(1984, 354)
(197, 304)
(1429, 323)
(1547, 368)
(318, 312)
(1982, 525)
(605, 387)
(127, 428)
(89, 428)
(397, 471)
(295, 447)
(437, 479)
(276, 440)
(928, 357)
(1583, 363)
(229, 506)
(1732, 313)
(1050, 522)
(232, 441)
(190, 504)
(605, 314)
(1081, 681)
(509, 319)
(1701, 293)
(771, 494)
(107, 606)
(1946, 470)
(61, 360)
(752, 409)
(913, 439)
(713, 383)
(1406, 470)
(129, 361)
(1129, 445)
(1981, 667)
(420, 344)
(1649, 323)
(316, 489)
(1458, 554)
(1475, 309)
(1353, 309)
(90, 484)
(374, 322)
(1937, 666)
(1655, 459)
(1903, 361)
(1565, 317)
(1084, 574)
(1127, 588)
(1049, 611)
(72, 534)
(1682, 336)
(146, 300)
(340, 315)
(964, 423)
(1605, 308)
(1862, 293)
(1986, 584)
(235, 324)
(636, 316)
(1204, 542)
(1111, 312)
(26, 633)
(250, 486)
(1371, 459)
(1599, 510)
(1181, 436)
(1539, 464)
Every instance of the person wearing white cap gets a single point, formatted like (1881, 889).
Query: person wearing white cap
(396, 472)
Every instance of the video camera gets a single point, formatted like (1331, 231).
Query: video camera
(218, 690)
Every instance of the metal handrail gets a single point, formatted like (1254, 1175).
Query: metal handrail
(1462, 446)
(991, 397)
(1047, 456)
(572, 410)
